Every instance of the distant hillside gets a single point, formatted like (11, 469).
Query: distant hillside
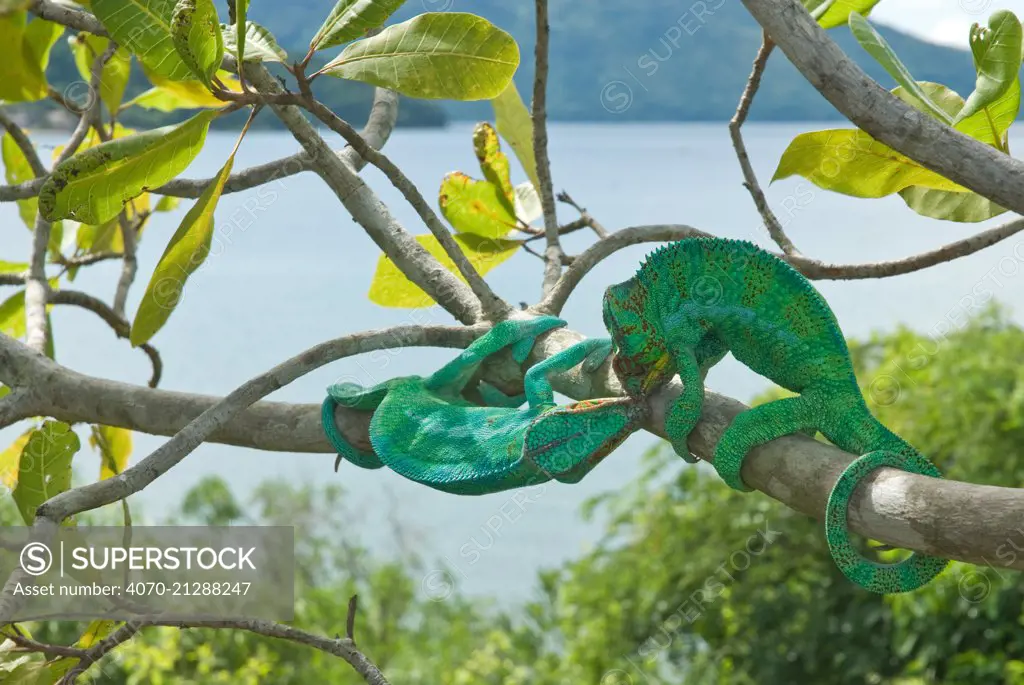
(612, 60)
(676, 66)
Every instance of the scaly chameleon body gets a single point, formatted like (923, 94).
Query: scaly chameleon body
(423, 429)
(693, 301)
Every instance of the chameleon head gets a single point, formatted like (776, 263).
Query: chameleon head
(641, 360)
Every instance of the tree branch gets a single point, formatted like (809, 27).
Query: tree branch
(340, 647)
(100, 650)
(366, 208)
(771, 222)
(68, 16)
(553, 253)
(882, 115)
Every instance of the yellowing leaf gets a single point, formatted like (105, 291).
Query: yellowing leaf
(837, 12)
(114, 445)
(476, 207)
(493, 162)
(851, 162)
(44, 469)
(195, 30)
(514, 124)
(10, 458)
(92, 186)
(26, 55)
(184, 254)
(450, 55)
(114, 77)
(390, 287)
(12, 315)
(167, 96)
(17, 170)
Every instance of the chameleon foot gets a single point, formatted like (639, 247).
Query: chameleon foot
(904, 576)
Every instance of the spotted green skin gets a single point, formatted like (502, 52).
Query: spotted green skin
(425, 430)
(696, 299)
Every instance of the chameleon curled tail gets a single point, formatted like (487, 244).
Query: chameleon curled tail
(695, 300)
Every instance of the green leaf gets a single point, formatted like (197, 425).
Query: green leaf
(45, 467)
(195, 29)
(877, 47)
(390, 287)
(997, 57)
(114, 445)
(12, 315)
(17, 170)
(10, 458)
(114, 77)
(167, 203)
(351, 19)
(851, 162)
(144, 28)
(92, 186)
(515, 125)
(241, 28)
(184, 254)
(260, 43)
(837, 12)
(494, 163)
(450, 55)
(26, 56)
(477, 207)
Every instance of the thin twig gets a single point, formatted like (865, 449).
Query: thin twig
(553, 252)
(30, 645)
(350, 620)
(586, 217)
(91, 114)
(101, 649)
(130, 264)
(343, 647)
(771, 222)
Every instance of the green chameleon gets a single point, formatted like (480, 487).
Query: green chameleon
(696, 299)
(423, 429)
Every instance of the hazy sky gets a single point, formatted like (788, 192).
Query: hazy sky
(941, 21)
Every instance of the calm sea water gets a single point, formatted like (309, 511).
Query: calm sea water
(291, 269)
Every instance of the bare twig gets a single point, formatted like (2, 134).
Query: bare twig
(91, 114)
(493, 305)
(99, 650)
(553, 252)
(130, 264)
(30, 645)
(586, 218)
(771, 222)
(350, 620)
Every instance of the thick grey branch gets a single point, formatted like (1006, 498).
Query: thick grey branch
(68, 16)
(885, 117)
(367, 209)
